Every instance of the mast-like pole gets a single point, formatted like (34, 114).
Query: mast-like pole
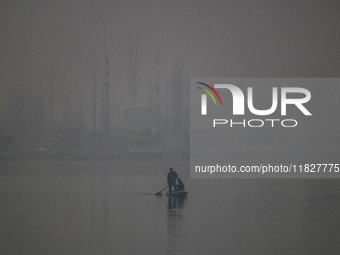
(94, 91)
(106, 104)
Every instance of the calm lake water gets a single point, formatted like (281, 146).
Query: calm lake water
(111, 208)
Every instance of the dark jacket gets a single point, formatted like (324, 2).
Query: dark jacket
(172, 177)
(180, 186)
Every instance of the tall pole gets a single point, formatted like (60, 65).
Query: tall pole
(94, 92)
(106, 104)
(133, 68)
(157, 87)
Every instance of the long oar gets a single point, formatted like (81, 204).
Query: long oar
(160, 193)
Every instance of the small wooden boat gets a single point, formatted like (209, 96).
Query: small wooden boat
(174, 193)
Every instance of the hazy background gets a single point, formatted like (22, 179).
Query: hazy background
(153, 48)
(47, 77)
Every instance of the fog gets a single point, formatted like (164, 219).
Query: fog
(94, 110)
(99, 79)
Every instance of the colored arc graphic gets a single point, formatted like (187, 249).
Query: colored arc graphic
(213, 90)
(208, 92)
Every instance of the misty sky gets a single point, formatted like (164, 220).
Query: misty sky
(46, 46)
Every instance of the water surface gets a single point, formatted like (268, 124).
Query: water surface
(54, 207)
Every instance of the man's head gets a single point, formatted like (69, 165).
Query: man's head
(171, 170)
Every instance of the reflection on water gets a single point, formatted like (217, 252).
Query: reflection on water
(175, 222)
(104, 208)
(175, 202)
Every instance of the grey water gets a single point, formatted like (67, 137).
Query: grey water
(56, 207)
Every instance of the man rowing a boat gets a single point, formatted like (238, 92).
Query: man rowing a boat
(172, 177)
